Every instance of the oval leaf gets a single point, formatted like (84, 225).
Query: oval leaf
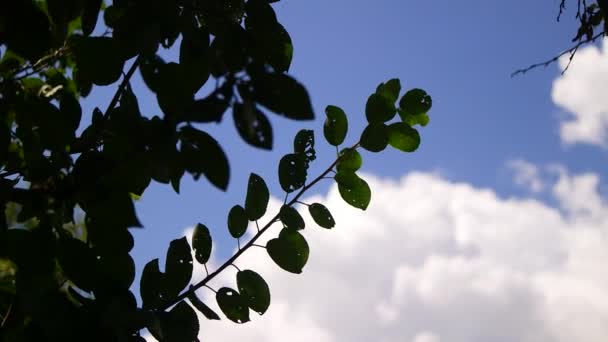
(253, 126)
(335, 126)
(254, 290)
(282, 94)
(292, 172)
(379, 109)
(202, 154)
(291, 218)
(289, 251)
(390, 89)
(257, 197)
(403, 137)
(233, 305)
(354, 190)
(150, 286)
(321, 215)
(374, 137)
(416, 101)
(178, 266)
(237, 221)
(350, 160)
(201, 243)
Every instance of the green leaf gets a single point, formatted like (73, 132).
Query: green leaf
(403, 137)
(202, 154)
(304, 143)
(233, 305)
(353, 189)
(379, 109)
(413, 120)
(252, 125)
(335, 126)
(180, 324)
(292, 172)
(375, 137)
(254, 290)
(202, 307)
(237, 221)
(390, 89)
(416, 101)
(321, 215)
(201, 243)
(178, 266)
(350, 160)
(289, 251)
(257, 198)
(291, 218)
(282, 94)
(89, 15)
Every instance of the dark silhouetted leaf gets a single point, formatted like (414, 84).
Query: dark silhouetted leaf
(254, 290)
(202, 154)
(178, 266)
(233, 305)
(201, 243)
(90, 14)
(257, 197)
(283, 95)
(353, 189)
(151, 286)
(335, 126)
(379, 109)
(76, 258)
(375, 137)
(304, 143)
(180, 324)
(237, 221)
(289, 251)
(321, 215)
(87, 52)
(202, 307)
(291, 218)
(252, 125)
(403, 137)
(292, 172)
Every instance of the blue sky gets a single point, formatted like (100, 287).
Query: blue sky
(461, 52)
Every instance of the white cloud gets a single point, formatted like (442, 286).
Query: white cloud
(432, 260)
(581, 91)
(527, 175)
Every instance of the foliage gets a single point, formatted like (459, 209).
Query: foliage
(592, 25)
(63, 278)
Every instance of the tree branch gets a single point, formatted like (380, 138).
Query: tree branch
(572, 51)
(251, 242)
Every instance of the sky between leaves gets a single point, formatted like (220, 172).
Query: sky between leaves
(504, 200)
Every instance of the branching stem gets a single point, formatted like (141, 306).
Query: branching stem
(251, 242)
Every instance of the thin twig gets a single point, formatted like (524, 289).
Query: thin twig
(123, 86)
(8, 312)
(572, 51)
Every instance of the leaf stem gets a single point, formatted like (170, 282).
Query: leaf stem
(251, 242)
